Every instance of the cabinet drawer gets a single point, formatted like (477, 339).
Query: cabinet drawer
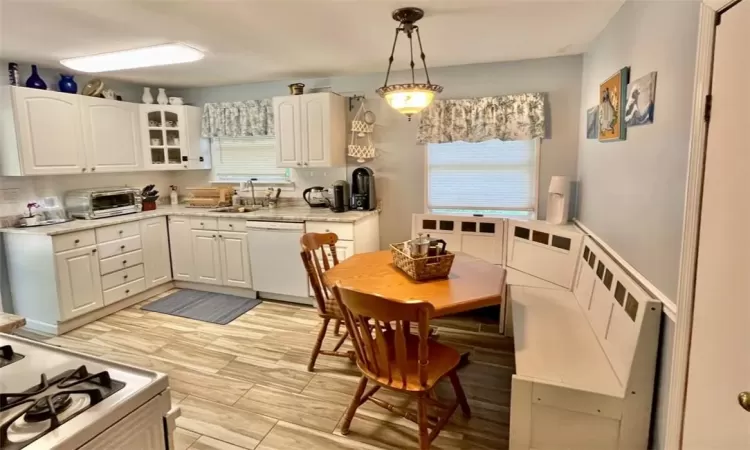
(72, 241)
(122, 276)
(344, 231)
(111, 233)
(120, 262)
(232, 225)
(204, 223)
(123, 291)
(119, 247)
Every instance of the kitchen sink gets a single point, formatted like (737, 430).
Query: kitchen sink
(237, 209)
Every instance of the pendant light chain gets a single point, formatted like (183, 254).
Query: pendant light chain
(422, 55)
(411, 51)
(390, 60)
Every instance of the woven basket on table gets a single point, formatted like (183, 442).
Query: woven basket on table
(422, 269)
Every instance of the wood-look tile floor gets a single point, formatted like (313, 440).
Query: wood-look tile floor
(245, 385)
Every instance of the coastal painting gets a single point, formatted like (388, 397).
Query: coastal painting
(592, 123)
(612, 106)
(639, 109)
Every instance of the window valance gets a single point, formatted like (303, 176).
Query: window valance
(238, 119)
(507, 118)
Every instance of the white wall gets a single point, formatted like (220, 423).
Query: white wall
(399, 170)
(631, 193)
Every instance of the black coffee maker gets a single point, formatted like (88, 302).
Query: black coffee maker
(363, 189)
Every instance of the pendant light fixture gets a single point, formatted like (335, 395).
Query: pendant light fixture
(409, 98)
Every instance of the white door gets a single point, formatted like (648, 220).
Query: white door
(78, 281)
(50, 132)
(111, 132)
(155, 242)
(719, 367)
(181, 250)
(235, 259)
(206, 257)
(287, 127)
(315, 110)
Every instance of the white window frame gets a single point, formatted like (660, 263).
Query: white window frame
(537, 163)
(216, 178)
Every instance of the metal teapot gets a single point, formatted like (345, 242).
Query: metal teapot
(423, 246)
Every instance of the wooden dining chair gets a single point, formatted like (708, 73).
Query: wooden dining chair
(390, 356)
(316, 262)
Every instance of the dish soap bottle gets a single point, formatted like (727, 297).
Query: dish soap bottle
(235, 198)
(173, 200)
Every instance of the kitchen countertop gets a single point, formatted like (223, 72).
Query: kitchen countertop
(283, 214)
(9, 322)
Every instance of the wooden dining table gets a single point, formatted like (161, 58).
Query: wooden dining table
(472, 283)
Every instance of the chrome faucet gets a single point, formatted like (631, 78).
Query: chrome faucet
(252, 188)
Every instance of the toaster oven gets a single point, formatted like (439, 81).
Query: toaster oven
(103, 202)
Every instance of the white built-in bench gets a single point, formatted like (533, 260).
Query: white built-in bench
(585, 358)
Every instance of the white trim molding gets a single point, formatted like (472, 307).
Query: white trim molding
(670, 308)
(690, 227)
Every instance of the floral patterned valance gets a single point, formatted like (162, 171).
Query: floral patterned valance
(238, 119)
(507, 118)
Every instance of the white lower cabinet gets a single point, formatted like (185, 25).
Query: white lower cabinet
(155, 242)
(78, 281)
(180, 247)
(235, 259)
(206, 257)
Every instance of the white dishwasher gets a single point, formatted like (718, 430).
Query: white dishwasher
(275, 260)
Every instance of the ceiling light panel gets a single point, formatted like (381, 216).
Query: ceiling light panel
(158, 55)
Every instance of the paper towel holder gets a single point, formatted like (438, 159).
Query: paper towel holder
(558, 200)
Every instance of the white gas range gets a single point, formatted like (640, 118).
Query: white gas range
(51, 398)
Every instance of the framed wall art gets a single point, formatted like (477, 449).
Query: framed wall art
(612, 93)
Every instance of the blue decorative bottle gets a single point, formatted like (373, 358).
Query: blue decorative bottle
(35, 81)
(67, 84)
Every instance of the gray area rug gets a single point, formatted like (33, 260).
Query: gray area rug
(205, 306)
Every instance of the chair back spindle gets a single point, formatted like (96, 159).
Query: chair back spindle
(380, 332)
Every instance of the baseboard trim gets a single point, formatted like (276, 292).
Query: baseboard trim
(669, 307)
(42, 327)
(308, 301)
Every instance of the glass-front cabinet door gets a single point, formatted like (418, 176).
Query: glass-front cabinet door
(166, 146)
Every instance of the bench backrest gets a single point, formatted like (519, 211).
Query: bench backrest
(620, 312)
(549, 252)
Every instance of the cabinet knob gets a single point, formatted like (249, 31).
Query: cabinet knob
(221, 237)
(127, 291)
(93, 169)
(299, 164)
(83, 170)
(122, 247)
(327, 230)
(77, 241)
(214, 236)
(231, 225)
(93, 251)
(201, 223)
(125, 276)
(124, 261)
(304, 164)
(120, 231)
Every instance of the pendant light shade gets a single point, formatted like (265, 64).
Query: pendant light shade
(409, 98)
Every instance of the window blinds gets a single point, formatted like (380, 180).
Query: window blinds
(490, 176)
(237, 159)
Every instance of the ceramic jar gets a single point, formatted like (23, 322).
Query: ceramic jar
(162, 97)
(147, 97)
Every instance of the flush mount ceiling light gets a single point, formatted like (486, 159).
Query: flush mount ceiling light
(409, 98)
(158, 55)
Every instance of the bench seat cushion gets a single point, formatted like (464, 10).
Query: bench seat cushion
(555, 344)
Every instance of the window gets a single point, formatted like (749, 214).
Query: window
(238, 159)
(491, 178)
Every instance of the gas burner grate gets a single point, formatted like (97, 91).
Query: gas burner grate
(8, 356)
(50, 399)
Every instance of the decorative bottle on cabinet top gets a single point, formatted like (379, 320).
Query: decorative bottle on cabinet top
(67, 84)
(35, 81)
(162, 97)
(147, 97)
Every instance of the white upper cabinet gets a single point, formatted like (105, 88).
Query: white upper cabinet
(171, 138)
(310, 130)
(42, 133)
(111, 132)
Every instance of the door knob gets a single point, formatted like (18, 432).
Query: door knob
(744, 399)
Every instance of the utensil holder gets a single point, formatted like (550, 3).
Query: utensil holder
(422, 269)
